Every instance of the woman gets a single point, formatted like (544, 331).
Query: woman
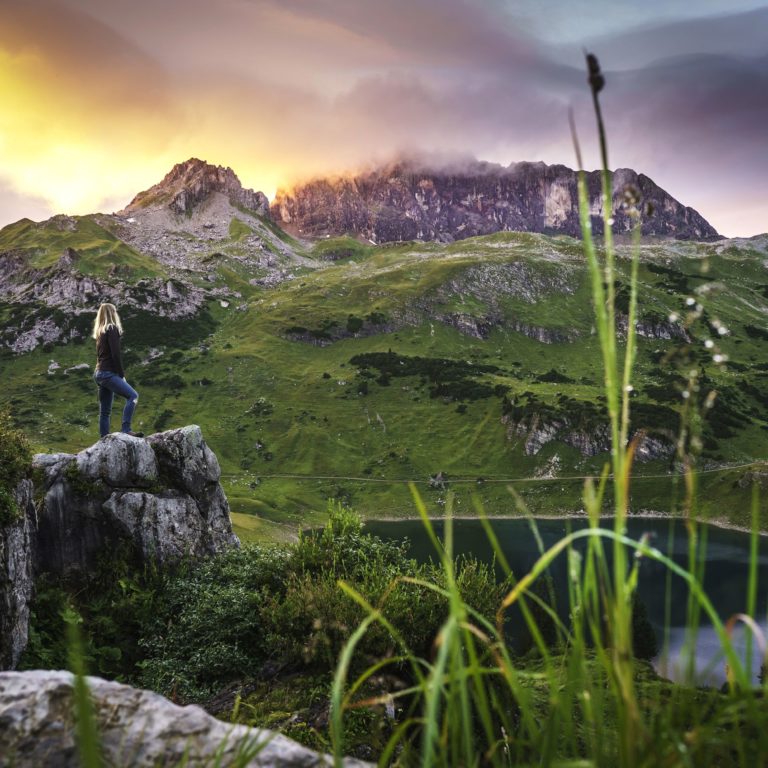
(109, 374)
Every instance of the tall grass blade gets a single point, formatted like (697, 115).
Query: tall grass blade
(86, 728)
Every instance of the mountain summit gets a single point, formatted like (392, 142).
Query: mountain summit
(410, 200)
(190, 184)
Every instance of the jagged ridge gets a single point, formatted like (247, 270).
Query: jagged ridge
(190, 183)
(406, 200)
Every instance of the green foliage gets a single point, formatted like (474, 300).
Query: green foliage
(222, 621)
(587, 701)
(554, 377)
(80, 484)
(147, 329)
(335, 248)
(406, 296)
(161, 422)
(15, 461)
(113, 609)
(86, 731)
(167, 381)
(449, 379)
(96, 250)
(239, 229)
(645, 645)
(756, 333)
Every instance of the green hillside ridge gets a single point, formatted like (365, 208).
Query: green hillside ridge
(98, 250)
(396, 363)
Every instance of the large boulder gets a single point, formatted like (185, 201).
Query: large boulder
(160, 498)
(136, 728)
(16, 578)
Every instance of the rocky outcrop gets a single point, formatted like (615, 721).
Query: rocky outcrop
(135, 727)
(536, 430)
(55, 304)
(191, 183)
(159, 499)
(16, 578)
(654, 328)
(408, 200)
(482, 327)
(73, 296)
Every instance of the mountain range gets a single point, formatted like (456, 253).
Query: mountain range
(456, 346)
(411, 200)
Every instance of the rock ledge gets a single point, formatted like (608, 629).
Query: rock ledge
(158, 496)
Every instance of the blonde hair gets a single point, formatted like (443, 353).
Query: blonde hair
(106, 316)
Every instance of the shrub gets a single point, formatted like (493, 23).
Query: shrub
(554, 377)
(162, 420)
(113, 606)
(354, 324)
(225, 619)
(15, 461)
(449, 379)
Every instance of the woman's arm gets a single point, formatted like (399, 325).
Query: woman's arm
(113, 339)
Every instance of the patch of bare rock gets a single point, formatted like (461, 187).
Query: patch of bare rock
(136, 728)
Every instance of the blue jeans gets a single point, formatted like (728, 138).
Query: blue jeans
(111, 384)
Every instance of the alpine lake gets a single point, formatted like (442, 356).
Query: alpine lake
(723, 556)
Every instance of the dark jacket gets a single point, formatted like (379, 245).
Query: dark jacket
(108, 352)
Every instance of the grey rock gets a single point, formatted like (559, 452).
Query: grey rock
(64, 288)
(536, 431)
(654, 329)
(76, 368)
(538, 333)
(409, 200)
(185, 460)
(189, 184)
(160, 496)
(474, 327)
(164, 527)
(119, 460)
(71, 531)
(136, 728)
(16, 578)
(519, 279)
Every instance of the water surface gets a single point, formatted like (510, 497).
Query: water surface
(726, 573)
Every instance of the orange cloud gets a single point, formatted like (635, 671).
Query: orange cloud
(83, 113)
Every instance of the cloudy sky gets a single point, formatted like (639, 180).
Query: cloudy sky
(103, 97)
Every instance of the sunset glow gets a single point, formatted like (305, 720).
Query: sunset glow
(104, 98)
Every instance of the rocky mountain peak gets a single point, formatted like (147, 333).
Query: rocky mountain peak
(455, 198)
(190, 184)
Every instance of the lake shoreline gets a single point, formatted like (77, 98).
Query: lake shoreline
(645, 514)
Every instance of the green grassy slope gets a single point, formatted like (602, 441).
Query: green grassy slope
(98, 249)
(294, 421)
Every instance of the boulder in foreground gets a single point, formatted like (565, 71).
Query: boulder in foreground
(136, 728)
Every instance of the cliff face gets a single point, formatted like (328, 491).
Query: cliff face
(534, 431)
(156, 500)
(405, 201)
(50, 301)
(16, 578)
